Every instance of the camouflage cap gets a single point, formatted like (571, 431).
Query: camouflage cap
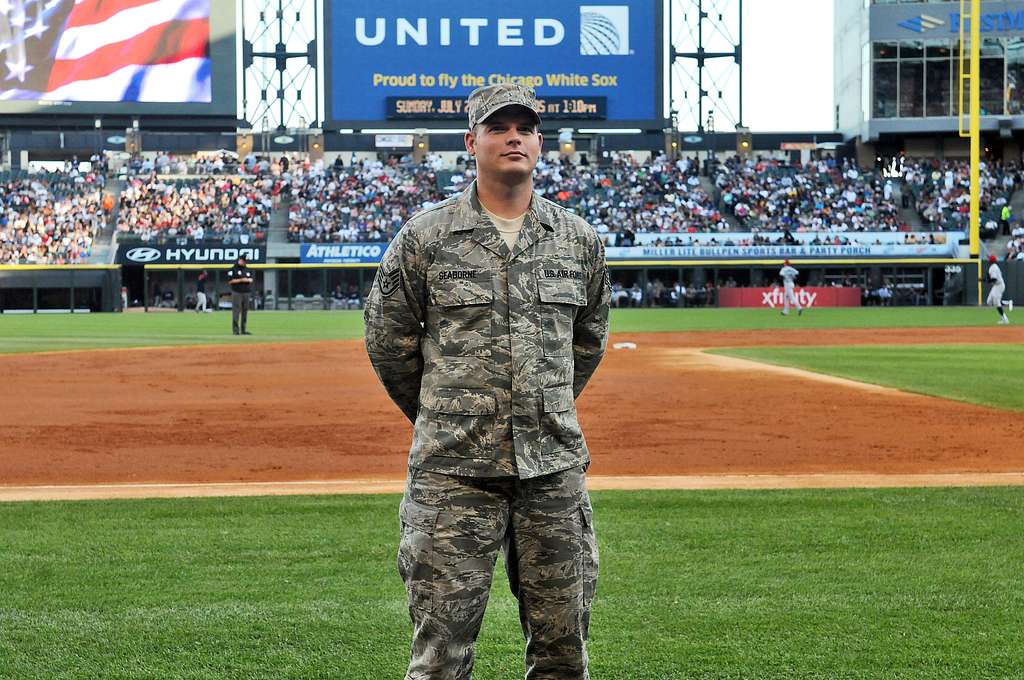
(485, 101)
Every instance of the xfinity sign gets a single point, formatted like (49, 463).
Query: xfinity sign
(775, 297)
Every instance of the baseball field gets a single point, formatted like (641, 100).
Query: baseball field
(836, 495)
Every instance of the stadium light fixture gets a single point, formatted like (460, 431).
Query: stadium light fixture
(411, 131)
(610, 131)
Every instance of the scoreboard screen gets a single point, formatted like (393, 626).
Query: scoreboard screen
(403, 60)
(454, 108)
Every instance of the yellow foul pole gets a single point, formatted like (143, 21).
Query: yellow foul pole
(974, 127)
(975, 134)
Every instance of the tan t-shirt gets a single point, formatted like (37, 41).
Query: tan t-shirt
(509, 229)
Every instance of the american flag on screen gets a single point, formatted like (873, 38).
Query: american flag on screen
(105, 50)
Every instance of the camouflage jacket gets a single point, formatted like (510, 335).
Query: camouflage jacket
(485, 349)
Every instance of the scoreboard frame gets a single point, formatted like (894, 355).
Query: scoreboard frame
(385, 122)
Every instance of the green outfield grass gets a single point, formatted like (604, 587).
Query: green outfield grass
(990, 375)
(46, 332)
(918, 583)
(49, 332)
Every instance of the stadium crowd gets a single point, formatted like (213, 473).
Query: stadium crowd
(52, 218)
(228, 209)
(366, 201)
(1015, 246)
(825, 195)
(658, 202)
(370, 200)
(941, 190)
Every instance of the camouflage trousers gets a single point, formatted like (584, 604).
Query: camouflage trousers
(452, 529)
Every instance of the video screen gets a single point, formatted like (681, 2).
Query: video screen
(118, 57)
(106, 51)
(586, 61)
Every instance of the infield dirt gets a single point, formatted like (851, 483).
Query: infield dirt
(315, 411)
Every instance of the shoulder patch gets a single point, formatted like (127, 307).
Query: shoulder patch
(389, 278)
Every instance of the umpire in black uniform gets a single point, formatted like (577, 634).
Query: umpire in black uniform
(240, 280)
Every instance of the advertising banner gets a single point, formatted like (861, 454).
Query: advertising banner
(772, 298)
(777, 252)
(915, 21)
(342, 253)
(650, 238)
(411, 59)
(198, 253)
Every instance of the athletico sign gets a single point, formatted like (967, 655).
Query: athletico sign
(342, 253)
(773, 297)
(199, 253)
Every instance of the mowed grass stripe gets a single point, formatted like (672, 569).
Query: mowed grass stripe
(50, 332)
(25, 333)
(985, 374)
(712, 319)
(730, 584)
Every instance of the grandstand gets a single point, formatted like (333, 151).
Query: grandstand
(51, 218)
(312, 197)
(642, 204)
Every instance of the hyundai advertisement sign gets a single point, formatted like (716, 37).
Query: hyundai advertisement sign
(393, 55)
(341, 253)
(193, 253)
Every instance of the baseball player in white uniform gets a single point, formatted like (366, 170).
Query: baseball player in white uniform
(789, 275)
(995, 295)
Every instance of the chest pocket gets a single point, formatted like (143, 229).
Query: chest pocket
(462, 312)
(560, 299)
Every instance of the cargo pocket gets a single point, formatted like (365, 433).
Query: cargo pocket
(416, 553)
(590, 556)
(461, 422)
(559, 428)
(464, 317)
(560, 300)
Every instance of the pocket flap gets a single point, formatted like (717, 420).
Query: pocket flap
(417, 515)
(462, 293)
(460, 401)
(557, 399)
(561, 291)
(586, 515)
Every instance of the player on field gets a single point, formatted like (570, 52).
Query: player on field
(789, 275)
(995, 296)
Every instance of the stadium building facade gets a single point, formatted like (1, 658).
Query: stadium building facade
(897, 74)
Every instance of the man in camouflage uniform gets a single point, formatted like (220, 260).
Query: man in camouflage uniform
(488, 315)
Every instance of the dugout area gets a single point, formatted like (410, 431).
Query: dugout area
(288, 286)
(54, 288)
(300, 287)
